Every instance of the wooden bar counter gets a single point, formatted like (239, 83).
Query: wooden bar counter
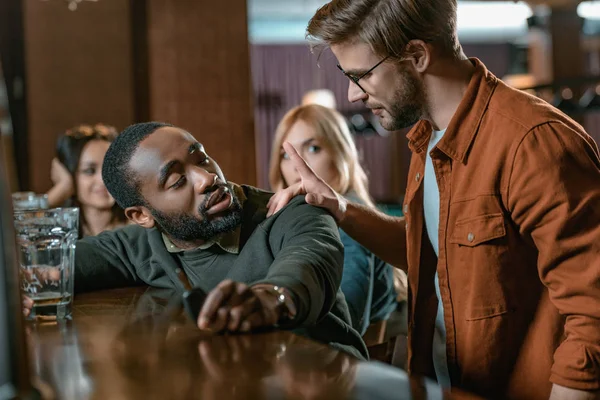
(137, 343)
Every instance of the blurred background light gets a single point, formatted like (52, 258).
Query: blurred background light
(284, 21)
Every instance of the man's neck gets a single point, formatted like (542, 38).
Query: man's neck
(446, 85)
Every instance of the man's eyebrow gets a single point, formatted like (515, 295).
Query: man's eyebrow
(354, 72)
(165, 171)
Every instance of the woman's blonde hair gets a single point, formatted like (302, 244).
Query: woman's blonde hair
(331, 128)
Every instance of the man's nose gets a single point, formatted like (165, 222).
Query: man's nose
(355, 93)
(202, 179)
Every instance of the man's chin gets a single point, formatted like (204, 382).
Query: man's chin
(190, 228)
(390, 124)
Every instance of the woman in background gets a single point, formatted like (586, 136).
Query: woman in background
(322, 137)
(77, 177)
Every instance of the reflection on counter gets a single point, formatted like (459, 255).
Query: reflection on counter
(59, 357)
(137, 343)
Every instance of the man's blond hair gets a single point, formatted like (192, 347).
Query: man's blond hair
(387, 25)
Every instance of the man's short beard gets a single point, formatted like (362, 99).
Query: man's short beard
(407, 108)
(188, 227)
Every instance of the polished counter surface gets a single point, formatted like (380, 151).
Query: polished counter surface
(136, 343)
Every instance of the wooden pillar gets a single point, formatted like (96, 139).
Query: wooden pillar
(568, 57)
(118, 62)
(78, 70)
(199, 77)
(556, 51)
(539, 57)
(12, 58)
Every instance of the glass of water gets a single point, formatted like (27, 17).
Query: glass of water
(46, 250)
(29, 201)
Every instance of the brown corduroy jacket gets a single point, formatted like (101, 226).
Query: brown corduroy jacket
(519, 246)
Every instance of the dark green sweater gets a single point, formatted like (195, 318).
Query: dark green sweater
(298, 248)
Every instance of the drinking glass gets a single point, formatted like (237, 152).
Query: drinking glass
(46, 251)
(29, 201)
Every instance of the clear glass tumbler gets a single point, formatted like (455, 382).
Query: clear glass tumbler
(46, 250)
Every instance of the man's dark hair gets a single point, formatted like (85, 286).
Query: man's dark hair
(120, 182)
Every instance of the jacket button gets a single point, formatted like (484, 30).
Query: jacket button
(470, 237)
(405, 209)
(417, 177)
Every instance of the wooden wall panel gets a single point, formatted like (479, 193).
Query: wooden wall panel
(199, 77)
(79, 70)
(12, 58)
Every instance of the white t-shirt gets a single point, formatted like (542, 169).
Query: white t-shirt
(431, 205)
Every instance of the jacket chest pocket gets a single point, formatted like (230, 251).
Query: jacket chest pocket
(478, 254)
(474, 231)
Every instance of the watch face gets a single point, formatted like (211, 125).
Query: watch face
(288, 311)
(281, 298)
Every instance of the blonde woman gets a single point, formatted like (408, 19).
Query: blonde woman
(322, 138)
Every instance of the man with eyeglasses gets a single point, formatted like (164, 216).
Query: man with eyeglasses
(501, 229)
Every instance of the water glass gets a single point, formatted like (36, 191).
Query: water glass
(46, 250)
(29, 201)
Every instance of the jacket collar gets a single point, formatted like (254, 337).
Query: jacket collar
(464, 124)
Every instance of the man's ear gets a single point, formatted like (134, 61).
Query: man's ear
(141, 216)
(419, 54)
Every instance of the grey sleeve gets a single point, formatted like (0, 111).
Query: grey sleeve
(309, 259)
(109, 260)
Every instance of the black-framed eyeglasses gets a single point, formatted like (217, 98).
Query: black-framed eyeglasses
(355, 79)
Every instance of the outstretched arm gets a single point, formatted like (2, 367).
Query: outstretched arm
(382, 234)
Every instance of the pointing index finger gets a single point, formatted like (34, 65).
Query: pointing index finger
(302, 167)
